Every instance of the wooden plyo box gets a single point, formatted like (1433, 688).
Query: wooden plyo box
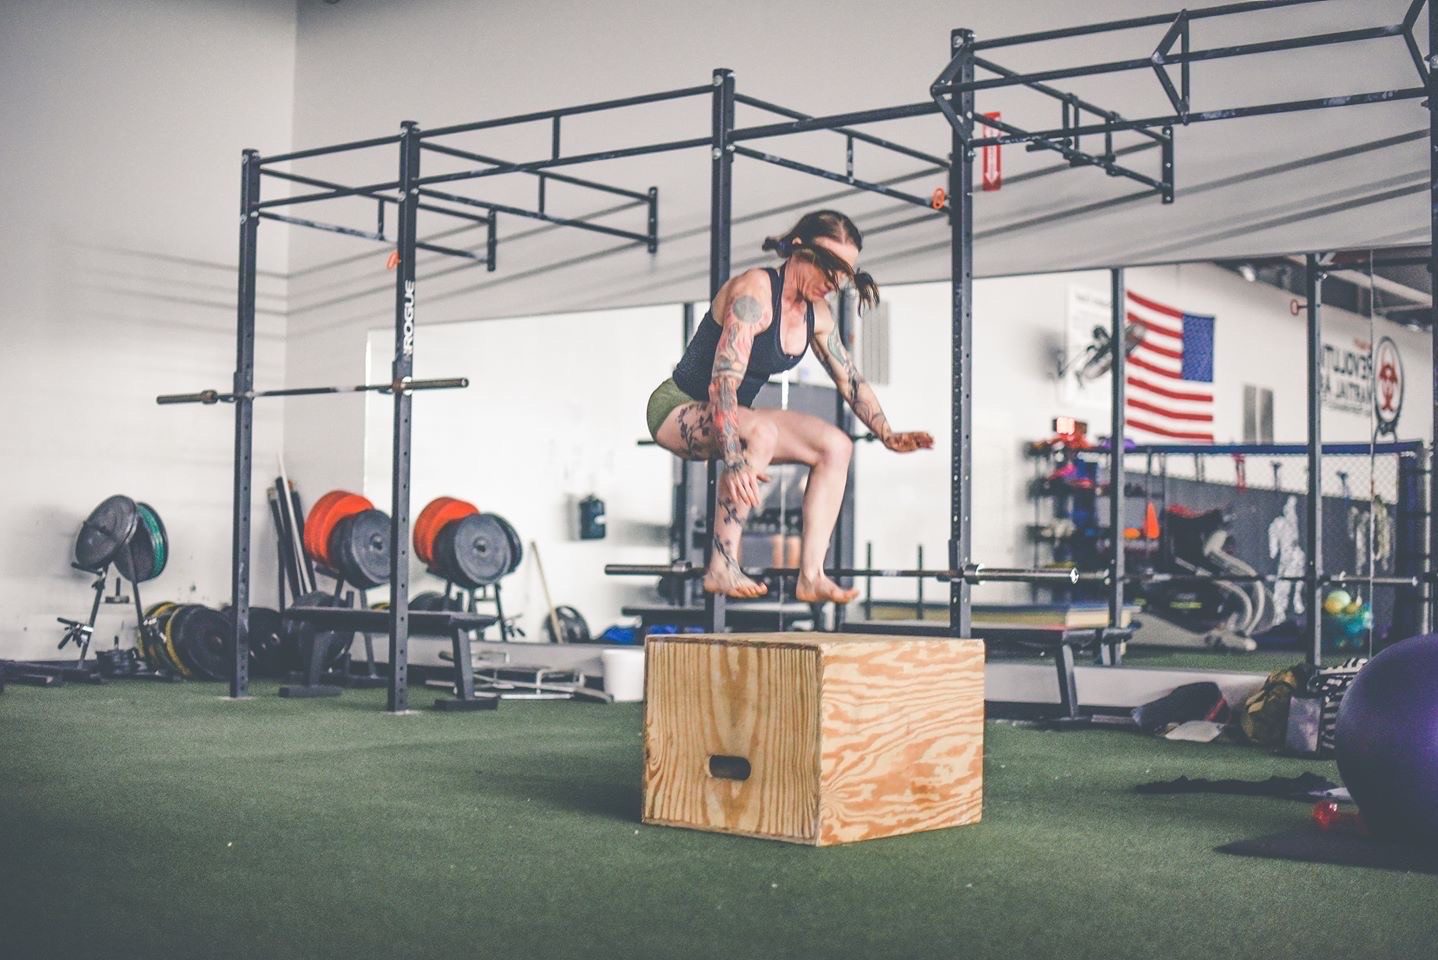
(819, 741)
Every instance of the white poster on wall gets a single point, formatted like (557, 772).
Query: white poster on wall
(1086, 359)
(1347, 375)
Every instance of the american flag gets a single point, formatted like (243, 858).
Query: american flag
(1170, 374)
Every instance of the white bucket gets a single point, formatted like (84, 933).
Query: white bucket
(623, 673)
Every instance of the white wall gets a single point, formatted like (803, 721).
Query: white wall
(124, 123)
(1019, 325)
(553, 413)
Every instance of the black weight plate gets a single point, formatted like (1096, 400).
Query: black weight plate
(473, 551)
(268, 654)
(159, 539)
(337, 549)
(136, 559)
(573, 625)
(105, 532)
(359, 546)
(202, 640)
(516, 546)
(298, 636)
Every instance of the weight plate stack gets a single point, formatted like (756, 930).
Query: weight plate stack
(168, 649)
(320, 525)
(152, 637)
(143, 636)
(269, 655)
(105, 533)
(516, 546)
(359, 547)
(201, 638)
(473, 551)
(436, 515)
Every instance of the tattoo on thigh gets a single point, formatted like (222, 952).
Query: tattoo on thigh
(696, 431)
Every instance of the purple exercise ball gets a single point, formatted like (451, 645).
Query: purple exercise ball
(1387, 741)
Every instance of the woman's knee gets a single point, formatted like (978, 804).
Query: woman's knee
(835, 447)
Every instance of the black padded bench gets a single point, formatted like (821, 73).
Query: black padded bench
(455, 625)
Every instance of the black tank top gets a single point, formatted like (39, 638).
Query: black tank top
(767, 358)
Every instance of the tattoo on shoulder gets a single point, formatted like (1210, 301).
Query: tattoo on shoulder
(747, 309)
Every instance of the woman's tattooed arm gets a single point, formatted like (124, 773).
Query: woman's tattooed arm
(829, 347)
(743, 321)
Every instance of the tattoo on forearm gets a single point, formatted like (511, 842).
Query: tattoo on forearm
(851, 383)
(731, 362)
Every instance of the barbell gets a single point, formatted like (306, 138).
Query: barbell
(405, 385)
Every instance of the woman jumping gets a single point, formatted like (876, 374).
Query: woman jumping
(766, 319)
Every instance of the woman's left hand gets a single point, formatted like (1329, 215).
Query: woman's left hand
(909, 442)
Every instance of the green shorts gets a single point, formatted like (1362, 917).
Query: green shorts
(666, 398)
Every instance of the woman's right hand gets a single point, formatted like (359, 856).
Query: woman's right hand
(739, 484)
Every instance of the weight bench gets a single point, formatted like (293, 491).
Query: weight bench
(1061, 640)
(747, 617)
(455, 625)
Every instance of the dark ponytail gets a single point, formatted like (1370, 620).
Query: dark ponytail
(799, 243)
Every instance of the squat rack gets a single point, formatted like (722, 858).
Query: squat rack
(951, 95)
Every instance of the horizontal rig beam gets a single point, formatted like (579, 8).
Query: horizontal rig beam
(556, 177)
(836, 177)
(335, 148)
(579, 224)
(1133, 23)
(595, 107)
(1231, 113)
(834, 121)
(1158, 59)
(378, 237)
(1080, 158)
(858, 135)
(385, 198)
(596, 157)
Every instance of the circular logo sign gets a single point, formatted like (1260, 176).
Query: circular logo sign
(1387, 385)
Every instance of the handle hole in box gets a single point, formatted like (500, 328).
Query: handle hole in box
(728, 768)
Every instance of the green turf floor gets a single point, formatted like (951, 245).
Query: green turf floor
(140, 820)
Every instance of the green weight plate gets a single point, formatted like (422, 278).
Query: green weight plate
(159, 538)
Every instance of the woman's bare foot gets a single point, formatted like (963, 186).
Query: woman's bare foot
(821, 589)
(731, 582)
